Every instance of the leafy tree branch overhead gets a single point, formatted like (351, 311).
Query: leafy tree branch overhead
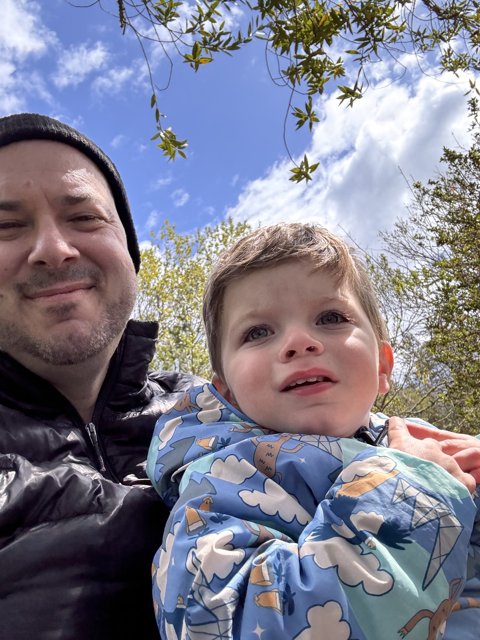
(311, 46)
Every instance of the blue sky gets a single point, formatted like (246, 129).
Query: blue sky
(74, 63)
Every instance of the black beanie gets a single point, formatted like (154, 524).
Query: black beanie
(33, 126)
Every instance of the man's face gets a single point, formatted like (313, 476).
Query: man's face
(299, 353)
(67, 282)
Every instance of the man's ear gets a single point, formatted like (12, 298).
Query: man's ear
(385, 367)
(223, 389)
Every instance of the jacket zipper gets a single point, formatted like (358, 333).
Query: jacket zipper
(92, 434)
(100, 454)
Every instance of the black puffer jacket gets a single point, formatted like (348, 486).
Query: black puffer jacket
(79, 523)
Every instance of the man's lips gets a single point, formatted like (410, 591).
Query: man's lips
(309, 377)
(61, 289)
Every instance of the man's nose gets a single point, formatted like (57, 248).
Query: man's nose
(300, 343)
(51, 246)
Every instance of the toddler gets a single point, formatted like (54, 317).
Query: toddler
(288, 520)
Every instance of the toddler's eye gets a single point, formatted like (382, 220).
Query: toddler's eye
(332, 317)
(257, 333)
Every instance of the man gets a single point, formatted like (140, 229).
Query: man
(79, 523)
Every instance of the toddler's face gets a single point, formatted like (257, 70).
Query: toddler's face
(299, 353)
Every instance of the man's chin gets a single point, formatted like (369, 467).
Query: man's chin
(64, 345)
(78, 335)
(64, 353)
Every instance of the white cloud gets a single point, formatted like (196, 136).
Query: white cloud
(232, 469)
(363, 151)
(209, 211)
(215, 554)
(328, 618)
(22, 36)
(353, 566)
(152, 220)
(231, 17)
(118, 141)
(33, 84)
(113, 81)
(276, 500)
(166, 434)
(208, 402)
(367, 521)
(9, 101)
(21, 31)
(145, 244)
(164, 181)
(381, 464)
(180, 197)
(165, 560)
(77, 63)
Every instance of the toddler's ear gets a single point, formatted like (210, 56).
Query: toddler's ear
(222, 388)
(385, 367)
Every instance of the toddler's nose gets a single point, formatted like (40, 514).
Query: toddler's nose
(300, 343)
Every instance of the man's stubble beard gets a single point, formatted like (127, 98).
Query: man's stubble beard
(76, 346)
(72, 348)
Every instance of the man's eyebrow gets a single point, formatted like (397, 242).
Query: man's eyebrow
(89, 197)
(66, 199)
(76, 198)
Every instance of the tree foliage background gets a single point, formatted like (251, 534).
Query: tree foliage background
(427, 280)
(310, 45)
(170, 289)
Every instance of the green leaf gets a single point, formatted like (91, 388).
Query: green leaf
(303, 172)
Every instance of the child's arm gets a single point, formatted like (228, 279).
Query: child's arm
(379, 555)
